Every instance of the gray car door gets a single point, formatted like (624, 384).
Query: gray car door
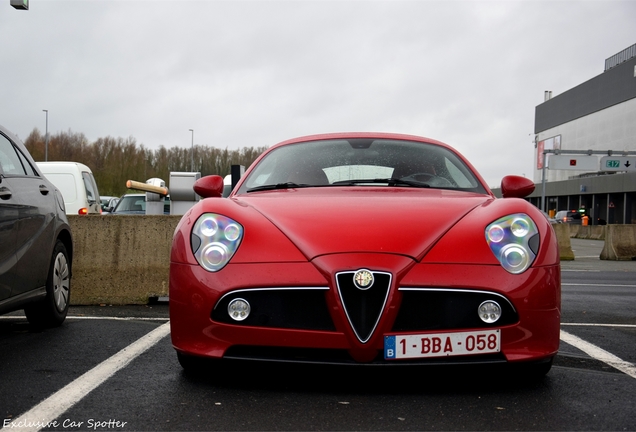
(31, 208)
(9, 218)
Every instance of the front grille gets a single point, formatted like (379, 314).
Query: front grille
(425, 309)
(293, 308)
(363, 306)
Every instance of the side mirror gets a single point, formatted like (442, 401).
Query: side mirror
(516, 187)
(209, 186)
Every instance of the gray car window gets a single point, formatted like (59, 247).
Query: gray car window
(26, 164)
(90, 187)
(9, 159)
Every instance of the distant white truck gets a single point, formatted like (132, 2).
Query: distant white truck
(77, 185)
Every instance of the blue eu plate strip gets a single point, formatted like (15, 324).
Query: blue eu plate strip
(389, 347)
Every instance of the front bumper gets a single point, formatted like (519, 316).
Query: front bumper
(310, 324)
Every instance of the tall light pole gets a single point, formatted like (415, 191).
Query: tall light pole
(192, 153)
(46, 145)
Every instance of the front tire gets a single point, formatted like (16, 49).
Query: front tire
(51, 312)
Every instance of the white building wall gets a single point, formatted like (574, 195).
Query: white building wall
(613, 128)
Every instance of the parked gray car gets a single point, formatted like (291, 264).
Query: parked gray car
(36, 250)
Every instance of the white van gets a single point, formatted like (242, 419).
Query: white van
(77, 184)
(227, 185)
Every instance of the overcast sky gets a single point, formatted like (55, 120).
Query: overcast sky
(254, 73)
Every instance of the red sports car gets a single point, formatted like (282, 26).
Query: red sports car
(365, 248)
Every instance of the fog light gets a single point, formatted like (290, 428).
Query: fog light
(489, 311)
(238, 309)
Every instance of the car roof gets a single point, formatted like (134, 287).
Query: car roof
(377, 135)
(45, 166)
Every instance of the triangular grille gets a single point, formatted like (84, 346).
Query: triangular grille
(363, 306)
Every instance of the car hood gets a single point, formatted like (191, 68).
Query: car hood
(403, 221)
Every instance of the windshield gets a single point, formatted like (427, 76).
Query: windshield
(129, 203)
(361, 162)
(137, 204)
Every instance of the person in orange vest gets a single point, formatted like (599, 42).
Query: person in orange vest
(584, 220)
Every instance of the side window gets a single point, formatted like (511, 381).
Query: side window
(9, 159)
(27, 166)
(459, 176)
(91, 193)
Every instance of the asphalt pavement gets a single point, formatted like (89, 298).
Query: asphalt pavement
(149, 391)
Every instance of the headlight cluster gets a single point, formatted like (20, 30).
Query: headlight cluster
(215, 239)
(514, 241)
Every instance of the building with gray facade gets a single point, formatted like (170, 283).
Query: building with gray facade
(573, 133)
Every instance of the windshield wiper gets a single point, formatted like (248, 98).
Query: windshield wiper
(288, 185)
(390, 181)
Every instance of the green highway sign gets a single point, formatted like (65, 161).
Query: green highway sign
(618, 163)
(20, 4)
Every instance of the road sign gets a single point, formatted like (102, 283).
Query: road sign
(573, 162)
(618, 163)
(20, 4)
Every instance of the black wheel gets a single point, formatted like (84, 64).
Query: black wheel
(51, 311)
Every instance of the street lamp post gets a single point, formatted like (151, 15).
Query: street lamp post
(46, 139)
(192, 153)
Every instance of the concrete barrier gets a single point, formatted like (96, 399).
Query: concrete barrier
(120, 259)
(594, 232)
(126, 259)
(573, 229)
(597, 232)
(620, 243)
(562, 232)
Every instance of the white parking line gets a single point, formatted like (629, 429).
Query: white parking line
(598, 285)
(599, 325)
(599, 354)
(117, 318)
(578, 271)
(45, 413)
(69, 317)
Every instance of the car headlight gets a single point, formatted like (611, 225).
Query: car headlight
(215, 239)
(514, 240)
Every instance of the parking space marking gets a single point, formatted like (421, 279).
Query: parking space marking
(599, 354)
(579, 271)
(10, 317)
(598, 285)
(44, 413)
(117, 318)
(599, 325)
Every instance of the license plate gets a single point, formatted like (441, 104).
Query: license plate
(441, 344)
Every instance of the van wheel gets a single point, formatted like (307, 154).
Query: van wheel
(52, 311)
